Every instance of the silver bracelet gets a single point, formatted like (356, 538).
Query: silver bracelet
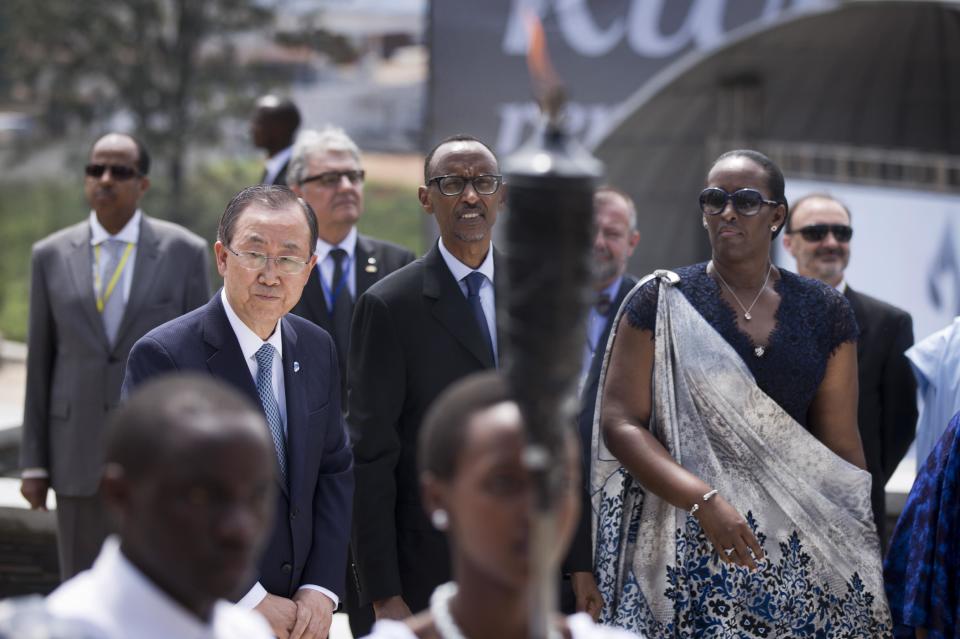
(706, 497)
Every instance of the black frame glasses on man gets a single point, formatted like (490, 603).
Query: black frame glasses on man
(331, 179)
(713, 200)
(253, 261)
(117, 171)
(817, 232)
(451, 185)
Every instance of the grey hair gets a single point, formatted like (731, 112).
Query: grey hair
(311, 143)
(607, 192)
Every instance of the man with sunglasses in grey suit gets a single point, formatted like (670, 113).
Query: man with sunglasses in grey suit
(95, 288)
(818, 236)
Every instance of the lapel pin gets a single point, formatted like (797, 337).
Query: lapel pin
(370, 268)
(296, 367)
(371, 260)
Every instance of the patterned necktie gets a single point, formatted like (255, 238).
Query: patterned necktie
(342, 304)
(474, 281)
(110, 252)
(270, 407)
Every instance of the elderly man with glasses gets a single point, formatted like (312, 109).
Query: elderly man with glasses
(325, 170)
(95, 288)
(414, 333)
(818, 236)
(287, 365)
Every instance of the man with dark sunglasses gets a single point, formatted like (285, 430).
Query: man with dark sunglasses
(96, 288)
(818, 235)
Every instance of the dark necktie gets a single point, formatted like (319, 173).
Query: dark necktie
(342, 310)
(474, 282)
(603, 304)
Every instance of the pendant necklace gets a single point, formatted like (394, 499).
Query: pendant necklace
(746, 309)
(758, 350)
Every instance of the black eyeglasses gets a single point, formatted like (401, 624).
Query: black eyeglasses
(331, 179)
(253, 261)
(816, 232)
(118, 171)
(745, 201)
(455, 184)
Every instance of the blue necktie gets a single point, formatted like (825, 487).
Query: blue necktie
(270, 407)
(474, 282)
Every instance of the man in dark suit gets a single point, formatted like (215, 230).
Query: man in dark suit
(414, 333)
(275, 121)
(818, 235)
(325, 171)
(289, 367)
(615, 219)
(95, 288)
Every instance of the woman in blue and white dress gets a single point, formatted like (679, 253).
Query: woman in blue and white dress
(728, 483)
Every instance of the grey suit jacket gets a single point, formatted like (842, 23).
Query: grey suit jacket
(73, 374)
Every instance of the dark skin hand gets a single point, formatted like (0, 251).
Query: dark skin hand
(34, 490)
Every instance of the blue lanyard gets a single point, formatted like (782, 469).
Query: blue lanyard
(333, 291)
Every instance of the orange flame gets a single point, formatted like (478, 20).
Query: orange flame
(547, 86)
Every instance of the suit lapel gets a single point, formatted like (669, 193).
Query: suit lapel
(626, 285)
(450, 306)
(226, 359)
(80, 259)
(145, 269)
(296, 399)
(316, 301)
(366, 265)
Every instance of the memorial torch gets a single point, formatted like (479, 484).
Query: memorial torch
(549, 234)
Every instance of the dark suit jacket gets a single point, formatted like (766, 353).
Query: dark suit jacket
(371, 253)
(73, 373)
(887, 411)
(413, 335)
(308, 544)
(580, 555)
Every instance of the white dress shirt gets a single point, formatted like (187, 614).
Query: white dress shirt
(326, 266)
(114, 600)
(487, 299)
(129, 234)
(274, 163)
(250, 343)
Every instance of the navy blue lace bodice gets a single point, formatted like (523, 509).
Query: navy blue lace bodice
(812, 321)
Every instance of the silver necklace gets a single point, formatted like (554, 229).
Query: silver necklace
(443, 621)
(746, 309)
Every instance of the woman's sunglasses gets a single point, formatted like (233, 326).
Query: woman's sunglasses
(745, 201)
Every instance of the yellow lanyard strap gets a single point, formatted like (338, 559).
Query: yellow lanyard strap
(103, 296)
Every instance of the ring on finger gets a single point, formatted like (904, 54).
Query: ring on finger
(729, 551)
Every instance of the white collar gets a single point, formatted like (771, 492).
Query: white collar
(348, 244)
(129, 234)
(461, 270)
(842, 286)
(250, 342)
(277, 160)
(127, 579)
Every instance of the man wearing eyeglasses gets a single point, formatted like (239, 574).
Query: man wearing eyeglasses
(288, 365)
(325, 171)
(95, 288)
(414, 333)
(818, 235)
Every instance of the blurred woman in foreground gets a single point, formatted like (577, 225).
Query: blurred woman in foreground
(477, 489)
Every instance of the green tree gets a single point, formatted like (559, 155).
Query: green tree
(171, 65)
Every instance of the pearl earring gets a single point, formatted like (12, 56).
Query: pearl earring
(704, 224)
(439, 519)
(774, 228)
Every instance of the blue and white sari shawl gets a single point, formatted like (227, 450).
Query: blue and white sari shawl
(810, 509)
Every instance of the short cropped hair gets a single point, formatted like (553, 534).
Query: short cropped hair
(274, 198)
(815, 196)
(140, 434)
(607, 192)
(143, 156)
(311, 143)
(775, 181)
(445, 425)
(459, 137)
